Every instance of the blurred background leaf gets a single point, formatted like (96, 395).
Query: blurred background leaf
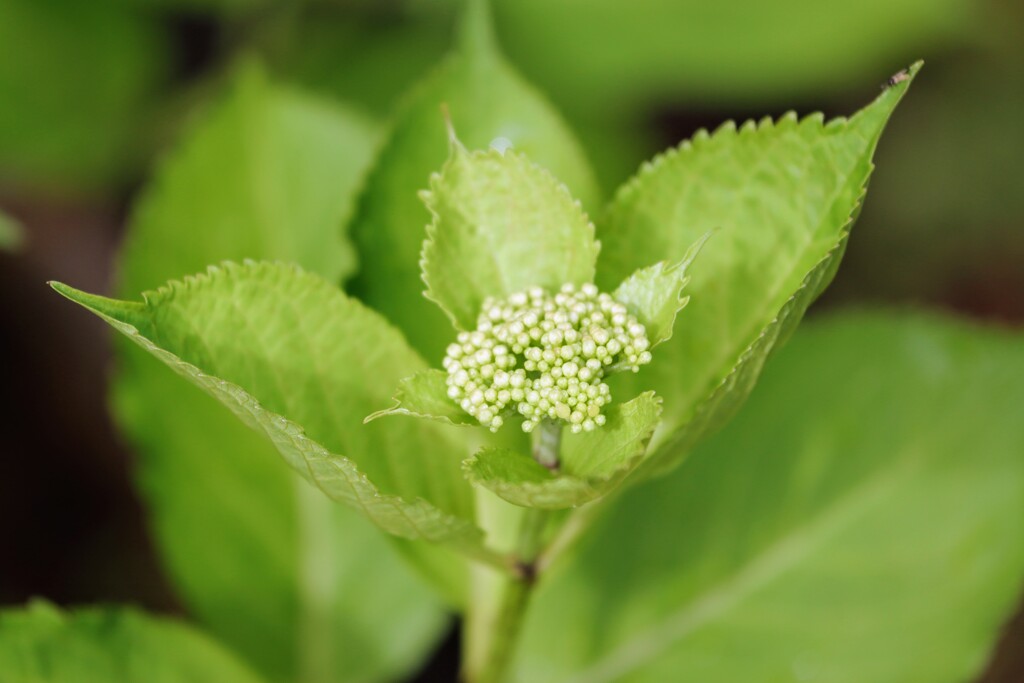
(10, 232)
(41, 644)
(77, 83)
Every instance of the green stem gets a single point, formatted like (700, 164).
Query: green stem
(499, 616)
(515, 597)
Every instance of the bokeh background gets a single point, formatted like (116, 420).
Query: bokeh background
(92, 91)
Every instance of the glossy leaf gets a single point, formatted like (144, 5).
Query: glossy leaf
(862, 519)
(501, 225)
(41, 644)
(487, 101)
(784, 194)
(267, 173)
(425, 394)
(592, 463)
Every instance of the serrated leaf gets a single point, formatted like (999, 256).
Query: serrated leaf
(501, 225)
(655, 294)
(425, 395)
(41, 644)
(266, 172)
(784, 194)
(862, 519)
(285, 342)
(487, 100)
(592, 463)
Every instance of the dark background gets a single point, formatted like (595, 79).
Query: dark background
(943, 225)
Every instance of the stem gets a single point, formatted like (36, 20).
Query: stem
(496, 615)
(515, 597)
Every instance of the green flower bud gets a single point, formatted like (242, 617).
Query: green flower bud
(544, 356)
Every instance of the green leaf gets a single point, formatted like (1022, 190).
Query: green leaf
(630, 58)
(262, 161)
(655, 294)
(501, 225)
(425, 394)
(269, 340)
(267, 172)
(78, 81)
(41, 644)
(862, 519)
(592, 463)
(784, 194)
(487, 100)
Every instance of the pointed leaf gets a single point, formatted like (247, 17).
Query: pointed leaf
(425, 394)
(41, 644)
(862, 519)
(487, 100)
(501, 225)
(655, 294)
(592, 463)
(266, 172)
(784, 194)
(284, 342)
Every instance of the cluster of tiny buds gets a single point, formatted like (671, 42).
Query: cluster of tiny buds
(544, 356)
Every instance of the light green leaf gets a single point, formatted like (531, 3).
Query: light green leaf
(592, 463)
(487, 100)
(261, 162)
(78, 83)
(425, 394)
(41, 644)
(267, 172)
(862, 519)
(284, 342)
(655, 294)
(501, 225)
(784, 194)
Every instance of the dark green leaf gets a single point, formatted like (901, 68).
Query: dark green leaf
(77, 83)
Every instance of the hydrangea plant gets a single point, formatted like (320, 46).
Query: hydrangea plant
(518, 431)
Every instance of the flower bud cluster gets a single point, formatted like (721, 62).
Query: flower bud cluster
(544, 356)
